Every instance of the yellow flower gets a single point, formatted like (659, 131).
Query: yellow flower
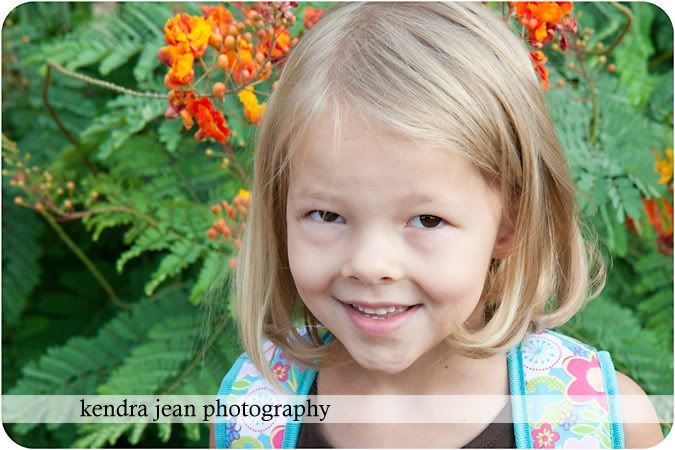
(664, 166)
(252, 110)
(244, 195)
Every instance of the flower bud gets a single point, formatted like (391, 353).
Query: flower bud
(216, 41)
(218, 90)
(230, 42)
(223, 62)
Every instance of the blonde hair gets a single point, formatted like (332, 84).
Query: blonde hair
(447, 73)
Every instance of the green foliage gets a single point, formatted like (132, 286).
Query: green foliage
(143, 187)
(20, 257)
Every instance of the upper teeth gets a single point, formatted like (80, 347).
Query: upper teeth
(386, 310)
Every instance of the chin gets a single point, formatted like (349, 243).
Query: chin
(390, 364)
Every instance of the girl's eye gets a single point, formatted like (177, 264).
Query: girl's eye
(324, 216)
(427, 221)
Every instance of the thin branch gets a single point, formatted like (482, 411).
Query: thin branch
(87, 262)
(629, 21)
(242, 175)
(104, 84)
(198, 357)
(52, 112)
(591, 88)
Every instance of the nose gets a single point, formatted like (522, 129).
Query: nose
(374, 259)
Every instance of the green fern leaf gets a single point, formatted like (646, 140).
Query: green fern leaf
(21, 251)
(182, 255)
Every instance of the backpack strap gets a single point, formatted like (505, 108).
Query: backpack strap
(553, 365)
(244, 379)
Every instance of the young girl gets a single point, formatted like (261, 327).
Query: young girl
(411, 202)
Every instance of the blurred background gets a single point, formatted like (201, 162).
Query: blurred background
(127, 137)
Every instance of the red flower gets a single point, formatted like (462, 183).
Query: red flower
(541, 19)
(539, 63)
(311, 16)
(211, 121)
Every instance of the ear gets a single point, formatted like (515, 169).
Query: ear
(504, 240)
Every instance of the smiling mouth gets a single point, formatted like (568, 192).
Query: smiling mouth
(380, 312)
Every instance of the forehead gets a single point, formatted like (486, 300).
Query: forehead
(359, 155)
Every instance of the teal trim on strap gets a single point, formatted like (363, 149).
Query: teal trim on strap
(613, 404)
(225, 388)
(292, 430)
(521, 425)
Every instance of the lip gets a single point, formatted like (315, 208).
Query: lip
(374, 305)
(375, 327)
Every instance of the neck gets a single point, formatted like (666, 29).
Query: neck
(439, 371)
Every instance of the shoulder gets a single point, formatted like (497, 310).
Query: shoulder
(638, 435)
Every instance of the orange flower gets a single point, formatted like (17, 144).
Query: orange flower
(222, 19)
(541, 18)
(252, 110)
(221, 16)
(282, 44)
(311, 16)
(539, 63)
(211, 121)
(181, 60)
(191, 32)
(242, 64)
(179, 101)
(664, 167)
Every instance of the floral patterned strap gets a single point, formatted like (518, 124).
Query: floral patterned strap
(244, 379)
(546, 364)
(554, 365)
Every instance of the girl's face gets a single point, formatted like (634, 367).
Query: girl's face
(401, 230)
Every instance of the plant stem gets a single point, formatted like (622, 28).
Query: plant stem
(242, 175)
(195, 361)
(87, 262)
(52, 112)
(629, 21)
(591, 89)
(104, 84)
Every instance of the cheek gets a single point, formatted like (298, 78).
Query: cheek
(311, 269)
(454, 276)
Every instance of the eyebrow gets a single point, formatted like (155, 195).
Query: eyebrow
(412, 197)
